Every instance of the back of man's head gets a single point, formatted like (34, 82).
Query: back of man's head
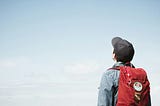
(123, 49)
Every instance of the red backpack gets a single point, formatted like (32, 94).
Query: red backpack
(134, 87)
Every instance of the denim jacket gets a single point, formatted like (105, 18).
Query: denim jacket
(109, 86)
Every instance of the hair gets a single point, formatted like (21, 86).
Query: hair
(123, 59)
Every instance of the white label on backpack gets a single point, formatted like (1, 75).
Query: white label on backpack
(137, 86)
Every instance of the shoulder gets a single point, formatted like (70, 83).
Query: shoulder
(111, 73)
(110, 78)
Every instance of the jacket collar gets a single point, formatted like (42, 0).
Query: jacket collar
(117, 64)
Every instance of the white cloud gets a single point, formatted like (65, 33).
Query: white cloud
(7, 64)
(82, 68)
(13, 62)
(155, 97)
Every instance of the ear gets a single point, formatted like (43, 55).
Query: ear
(114, 57)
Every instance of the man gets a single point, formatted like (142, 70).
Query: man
(123, 52)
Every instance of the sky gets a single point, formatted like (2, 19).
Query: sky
(53, 52)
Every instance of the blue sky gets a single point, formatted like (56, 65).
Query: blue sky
(61, 47)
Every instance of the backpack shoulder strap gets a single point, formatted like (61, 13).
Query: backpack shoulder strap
(114, 68)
